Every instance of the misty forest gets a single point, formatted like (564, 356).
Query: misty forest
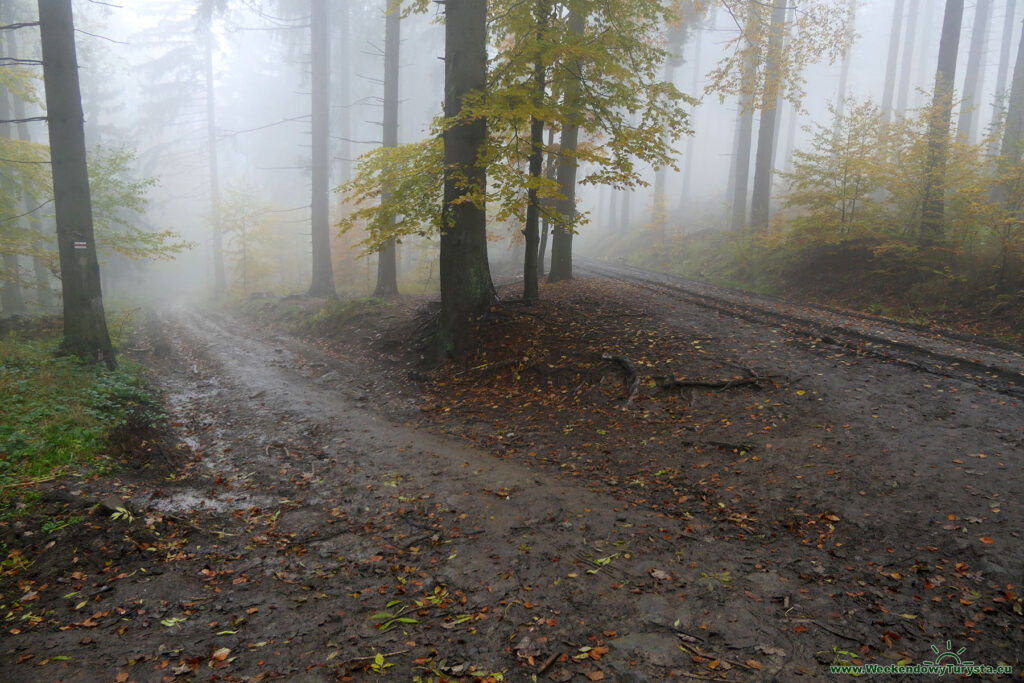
(511, 340)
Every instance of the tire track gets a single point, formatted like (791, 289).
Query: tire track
(987, 363)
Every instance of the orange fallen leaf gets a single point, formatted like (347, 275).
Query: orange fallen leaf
(800, 628)
(596, 675)
(121, 677)
(988, 540)
(714, 664)
(221, 654)
(754, 664)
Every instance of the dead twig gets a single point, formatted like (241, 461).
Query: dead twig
(548, 662)
(721, 385)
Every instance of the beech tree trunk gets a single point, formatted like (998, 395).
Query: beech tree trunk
(320, 48)
(466, 287)
(344, 94)
(531, 290)
(85, 325)
(387, 265)
(1013, 134)
(903, 92)
(545, 223)
(999, 101)
(561, 237)
(975, 75)
(761, 201)
(219, 282)
(933, 204)
(890, 65)
(744, 136)
(688, 154)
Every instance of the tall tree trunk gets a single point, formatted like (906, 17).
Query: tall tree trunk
(1013, 135)
(613, 209)
(219, 282)
(676, 43)
(624, 216)
(85, 325)
(387, 266)
(844, 70)
(926, 59)
(999, 101)
(44, 295)
(531, 230)
(466, 287)
(744, 132)
(933, 204)
(975, 74)
(549, 173)
(761, 201)
(688, 154)
(890, 65)
(344, 97)
(320, 48)
(561, 238)
(11, 300)
(903, 94)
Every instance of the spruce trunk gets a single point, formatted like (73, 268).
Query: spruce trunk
(85, 325)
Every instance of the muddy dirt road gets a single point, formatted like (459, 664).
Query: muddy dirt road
(321, 524)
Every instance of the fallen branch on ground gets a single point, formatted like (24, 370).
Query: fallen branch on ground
(675, 383)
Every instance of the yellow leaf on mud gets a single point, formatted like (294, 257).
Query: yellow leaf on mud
(221, 654)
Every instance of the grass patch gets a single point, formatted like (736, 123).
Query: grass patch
(60, 414)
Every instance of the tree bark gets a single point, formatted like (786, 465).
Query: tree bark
(890, 65)
(11, 300)
(344, 96)
(676, 42)
(903, 93)
(320, 48)
(999, 102)
(761, 200)
(613, 209)
(387, 265)
(975, 75)
(1013, 134)
(545, 223)
(219, 282)
(933, 204)
(85, 325)
(466, 287)
(531, 290)
(844, 71)
(561, 237)
(688, 154)
(744, 133)
(44, 295)
(624, 216)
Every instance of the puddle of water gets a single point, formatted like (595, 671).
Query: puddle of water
(186, 501)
